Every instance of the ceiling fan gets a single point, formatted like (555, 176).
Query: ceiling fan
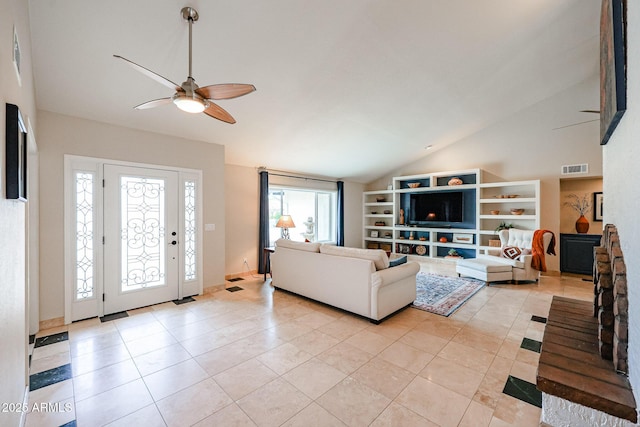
(189, 96)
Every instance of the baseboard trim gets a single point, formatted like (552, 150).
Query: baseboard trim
(243, 274)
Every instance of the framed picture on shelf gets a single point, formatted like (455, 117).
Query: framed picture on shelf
(597, 206)
(374, 234)
(462, 238)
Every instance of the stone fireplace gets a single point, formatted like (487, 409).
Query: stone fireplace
(583, 366)
(611, 306)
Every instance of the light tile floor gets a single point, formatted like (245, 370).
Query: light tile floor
(259, 357)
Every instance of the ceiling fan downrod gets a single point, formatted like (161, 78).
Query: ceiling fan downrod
(191, 16)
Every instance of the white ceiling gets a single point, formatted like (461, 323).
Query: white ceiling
(345, 89)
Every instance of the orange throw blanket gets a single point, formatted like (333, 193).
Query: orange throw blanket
(537, 249)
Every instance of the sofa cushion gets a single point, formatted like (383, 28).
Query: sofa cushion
(378, 256)
(511, 252)
(301, 246)
(398, 261)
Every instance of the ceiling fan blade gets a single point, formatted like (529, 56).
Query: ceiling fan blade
(157, 77)
(153, 104)
(217, 112)
(576, 124)
(225, 91)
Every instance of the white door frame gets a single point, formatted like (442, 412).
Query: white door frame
(94, 306)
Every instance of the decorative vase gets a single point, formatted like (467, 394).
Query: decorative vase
(582, 225)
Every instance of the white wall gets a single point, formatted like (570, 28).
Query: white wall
(241, 198)
(519, 148)
(581, 188)
(241, 207)
(13, 289)
(621, 194)
(59, 135)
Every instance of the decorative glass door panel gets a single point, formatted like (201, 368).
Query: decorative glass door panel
(141, 237)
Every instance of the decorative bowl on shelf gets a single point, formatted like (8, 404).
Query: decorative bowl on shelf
(380, 199)
(455, 181)
(413, 184)
(387, 212)
(515, 211)
(495, 212)
(374, 212)
(422, 239)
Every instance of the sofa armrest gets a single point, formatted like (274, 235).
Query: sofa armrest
(526, 260)
(391, 275)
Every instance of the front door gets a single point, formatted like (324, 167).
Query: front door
(141, 245)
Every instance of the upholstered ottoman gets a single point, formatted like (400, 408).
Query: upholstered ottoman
(484, 269)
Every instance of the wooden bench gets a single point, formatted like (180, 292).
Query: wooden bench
(570, 365)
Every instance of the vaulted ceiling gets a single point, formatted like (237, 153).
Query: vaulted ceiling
(347, 89)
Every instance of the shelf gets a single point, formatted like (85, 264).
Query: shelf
(412, 242)
(511, 200)
(507, 184)
(379, 239)
(373, 193)
(483, 196)
(455, 245)
(438, 188)
(510, 217)
(378, 204)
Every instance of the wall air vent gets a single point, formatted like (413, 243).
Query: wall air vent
(575, 169)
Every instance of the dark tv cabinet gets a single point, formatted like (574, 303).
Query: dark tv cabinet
(576, 252)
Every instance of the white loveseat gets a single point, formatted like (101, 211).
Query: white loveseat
(355, 280)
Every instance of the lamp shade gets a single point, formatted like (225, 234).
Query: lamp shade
(285, 221)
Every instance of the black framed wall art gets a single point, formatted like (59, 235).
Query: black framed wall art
(16, 155)
(613, 77)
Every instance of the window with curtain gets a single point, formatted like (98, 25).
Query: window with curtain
(313, 213)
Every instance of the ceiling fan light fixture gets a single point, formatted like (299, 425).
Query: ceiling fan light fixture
(189, 104)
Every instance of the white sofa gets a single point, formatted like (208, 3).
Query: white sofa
(355, 280)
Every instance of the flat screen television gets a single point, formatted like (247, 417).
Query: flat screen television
(436, 207)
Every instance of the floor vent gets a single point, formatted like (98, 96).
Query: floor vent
(575, 169)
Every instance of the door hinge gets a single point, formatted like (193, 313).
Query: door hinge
(102, 297)
(103, 183)
(103, 240)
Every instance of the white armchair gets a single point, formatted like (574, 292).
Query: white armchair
(521, 264)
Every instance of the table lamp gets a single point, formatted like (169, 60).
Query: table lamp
(285, 223)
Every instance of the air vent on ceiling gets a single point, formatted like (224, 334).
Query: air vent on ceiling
(575, 169)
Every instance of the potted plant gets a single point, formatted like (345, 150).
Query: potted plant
(503, 226)
(453, 254)
(582, 205)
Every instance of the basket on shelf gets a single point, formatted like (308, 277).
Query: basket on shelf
(495, 243)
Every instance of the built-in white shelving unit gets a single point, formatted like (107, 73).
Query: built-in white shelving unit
(382, 227)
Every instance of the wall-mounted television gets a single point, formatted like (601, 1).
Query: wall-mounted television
(436, 207)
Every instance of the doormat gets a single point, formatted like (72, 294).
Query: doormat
(114, 316)
(443, 295)
(235, 279)
(183, 300)
(235, 289)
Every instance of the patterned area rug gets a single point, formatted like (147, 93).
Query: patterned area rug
(443, 295)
